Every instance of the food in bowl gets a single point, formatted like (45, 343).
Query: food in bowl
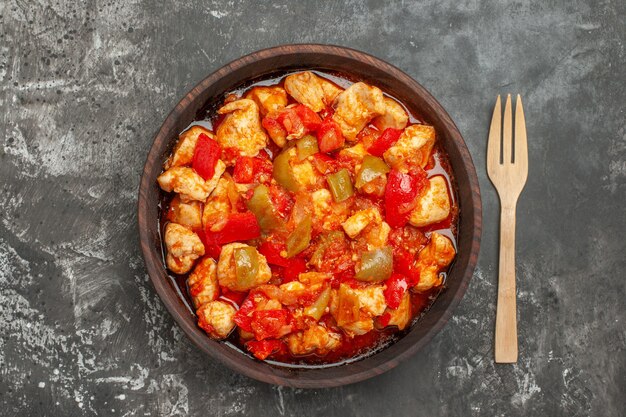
(309, 219)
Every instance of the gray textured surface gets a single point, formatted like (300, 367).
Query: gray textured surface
(84, 87)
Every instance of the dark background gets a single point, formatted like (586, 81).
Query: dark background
(85, 87)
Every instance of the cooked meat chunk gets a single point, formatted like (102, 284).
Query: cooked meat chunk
(188, 214)
(241, 128)
(326, 211)
(394, 116)
(220, 204)
(316, 338)
(412, 149)
(268, 99)
(183, 248)
(227, 273)
(401, 316)
(433, 206)
(360, 220)
(185, 147)
(311, 90)
(202, 282)
(188, 183)
(436, 256)
(217, 319)
(355, 107)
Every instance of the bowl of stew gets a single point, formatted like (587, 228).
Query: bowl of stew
(309, 215)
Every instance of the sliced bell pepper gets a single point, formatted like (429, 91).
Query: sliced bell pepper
(261, 205)
(298, 120)
(306, 146)
(239, 226)
(249, 169)
(271, 251)
(340, 185)
(276, 131)
(283, 172)
(292, 271)
(246, 266)
(397, 285)
(242, 316)
(261, 349)
(329, 136)
(205, 156)
(300, 238)
(400, 197)
(372, 167)
(384, 141)
(318, 308)
(273, 324)
(376, 265)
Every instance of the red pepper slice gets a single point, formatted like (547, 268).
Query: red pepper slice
(400, 194)
(249, 169)
(329, 136)
(396, 287)
(404, 263)
(234, 296)
(292, 271)
(242, 318)
(271, 251)
(261, 349)
(239, 226)
(384, 319)
(205, 156)
(384, 141)
(270, 324)
(308, 117)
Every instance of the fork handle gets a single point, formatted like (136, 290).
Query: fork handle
(506, 314)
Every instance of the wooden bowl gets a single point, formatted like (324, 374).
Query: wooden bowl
(359, 66)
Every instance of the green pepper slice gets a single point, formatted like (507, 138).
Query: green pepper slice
(324, 242)
(246, 266)
(317, 309)
(376, 265)
(283, 173)
(306, 147)
(372, 167)
(300, 238)
(261, 205)
(340, 185)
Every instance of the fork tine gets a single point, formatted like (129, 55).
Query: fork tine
(493, 143)
(521, 147)
(507, 133)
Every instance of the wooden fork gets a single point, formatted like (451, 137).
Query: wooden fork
(507, 166)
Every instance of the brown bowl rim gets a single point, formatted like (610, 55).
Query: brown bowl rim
(282, 375)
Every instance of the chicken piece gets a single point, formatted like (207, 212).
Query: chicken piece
(202, 283)
(220, 204)
(241, 128)
(268, 99)
(303, 171)
(313, 278)
(360, 220)
(188, 183)
(412, 148)
(371, 299)
(328, 213)
(401, 316)
(433, 206)
(316, 338)
(183, 248)
(354, 309)
(376, 235)
(187, 214)
(226, 273)
(436, 256)
(354, 155)
(185, 147)
(394, 117)
(216, 318)
(313, 91)
(355, 107)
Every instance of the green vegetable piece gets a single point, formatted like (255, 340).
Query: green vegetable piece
(371, 168)
(261, 205)
(306, 146)
(340, 185)
(324, 242)
(376, 265)
(246, 266)
(317, 309)
(300, 238)
(283, 173)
